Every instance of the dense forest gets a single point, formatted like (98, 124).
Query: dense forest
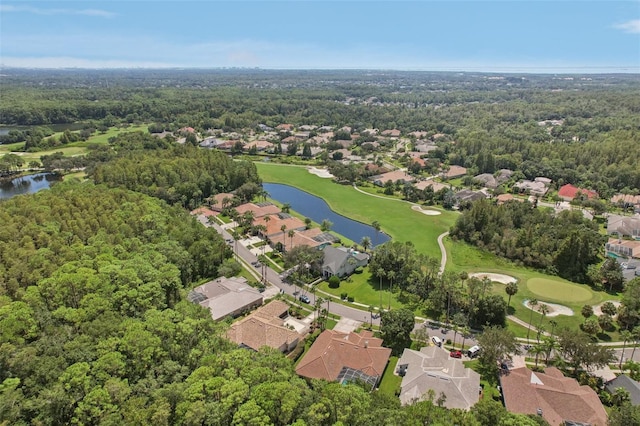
(565, 244)
(572, 129)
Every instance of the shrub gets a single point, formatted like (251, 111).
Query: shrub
(343, 296)
(334, 282)
(350, 299)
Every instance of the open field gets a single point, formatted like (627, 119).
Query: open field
(72, 149)
(396, 218)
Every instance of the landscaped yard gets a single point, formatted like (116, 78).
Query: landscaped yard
(390, 382)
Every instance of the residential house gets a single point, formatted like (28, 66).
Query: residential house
(467, 195)
(624, 226)
(433, 368)
(393, 133)
(423, 147)
(625, 201)
(258, 209)
(226, 297)
(342, 261)
(558, 399)
(503, 198)
(313, 237)
(487, 180)
(260, 145)
(220, 201)
(535, 187)
(618, 247)
(627, 383)
(285, 126)
(436, 186)
(394, 176)
(273, 225)
(568, 192)
(267, 326)
(454, 172)
(345, 357)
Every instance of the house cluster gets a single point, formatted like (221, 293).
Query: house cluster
(624, 243)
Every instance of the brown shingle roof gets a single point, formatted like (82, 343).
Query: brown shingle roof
(560, 398)
(334, 350)
(258, 211)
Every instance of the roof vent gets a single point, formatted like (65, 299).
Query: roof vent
(539, 412)
(366, 343)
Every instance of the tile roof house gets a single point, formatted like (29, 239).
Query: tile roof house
(433, 368)
(568, 192)
(558, 399)
(265, 327)
(337, 356)
(394, 176)
(277, 221)
(455, 171)
(217, 201)
(342, 261)
(625, 200)
(534, 187)
(226, 297)
(624, 226)
(627, 383)
(394, 133)
(436, 186)
(487, 180)
(313, 237)
(620, 247)
(469, 195)
(258, 209)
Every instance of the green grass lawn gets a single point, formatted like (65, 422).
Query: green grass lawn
(395, 218)
(390, 383)
(403, 224)
(555, 291)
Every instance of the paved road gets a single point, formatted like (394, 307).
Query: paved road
(273, 278)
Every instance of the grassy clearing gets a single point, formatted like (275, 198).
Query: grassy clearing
(396, 218)
(390, 383)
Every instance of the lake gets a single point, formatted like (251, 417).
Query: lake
(317, 210)
(27, 184)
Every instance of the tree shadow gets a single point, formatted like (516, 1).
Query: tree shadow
(604, 337)
(511, 310)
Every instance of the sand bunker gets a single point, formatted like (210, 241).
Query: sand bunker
(323, 173)
(427, 212)
(499, 278)
(554, 309)
(597, 309)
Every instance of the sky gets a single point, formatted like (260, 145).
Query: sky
(561, 36)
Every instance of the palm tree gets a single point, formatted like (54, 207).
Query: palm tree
(550, 343)
(365, 243)
(286, 207)
(537, 350)
(465, 331)
(635, 333)
(376, 225)
(291, 233)
(532, 303)
(544, 310)
(391, 275)
(379, 273)
(326, 225)
(307, 222)
(553, 324)
(511, 289)
(283, 228)
(626, 336)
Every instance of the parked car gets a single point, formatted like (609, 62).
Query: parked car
(436, 341)
(473, 351)
(304, 298)
(455, 354)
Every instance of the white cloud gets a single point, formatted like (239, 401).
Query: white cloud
(6, 8)
(632, 26)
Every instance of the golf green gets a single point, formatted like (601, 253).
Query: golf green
(557, 290)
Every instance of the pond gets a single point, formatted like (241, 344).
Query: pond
(318, 210)
(27, 184)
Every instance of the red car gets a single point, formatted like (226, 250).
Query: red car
(455, 354)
